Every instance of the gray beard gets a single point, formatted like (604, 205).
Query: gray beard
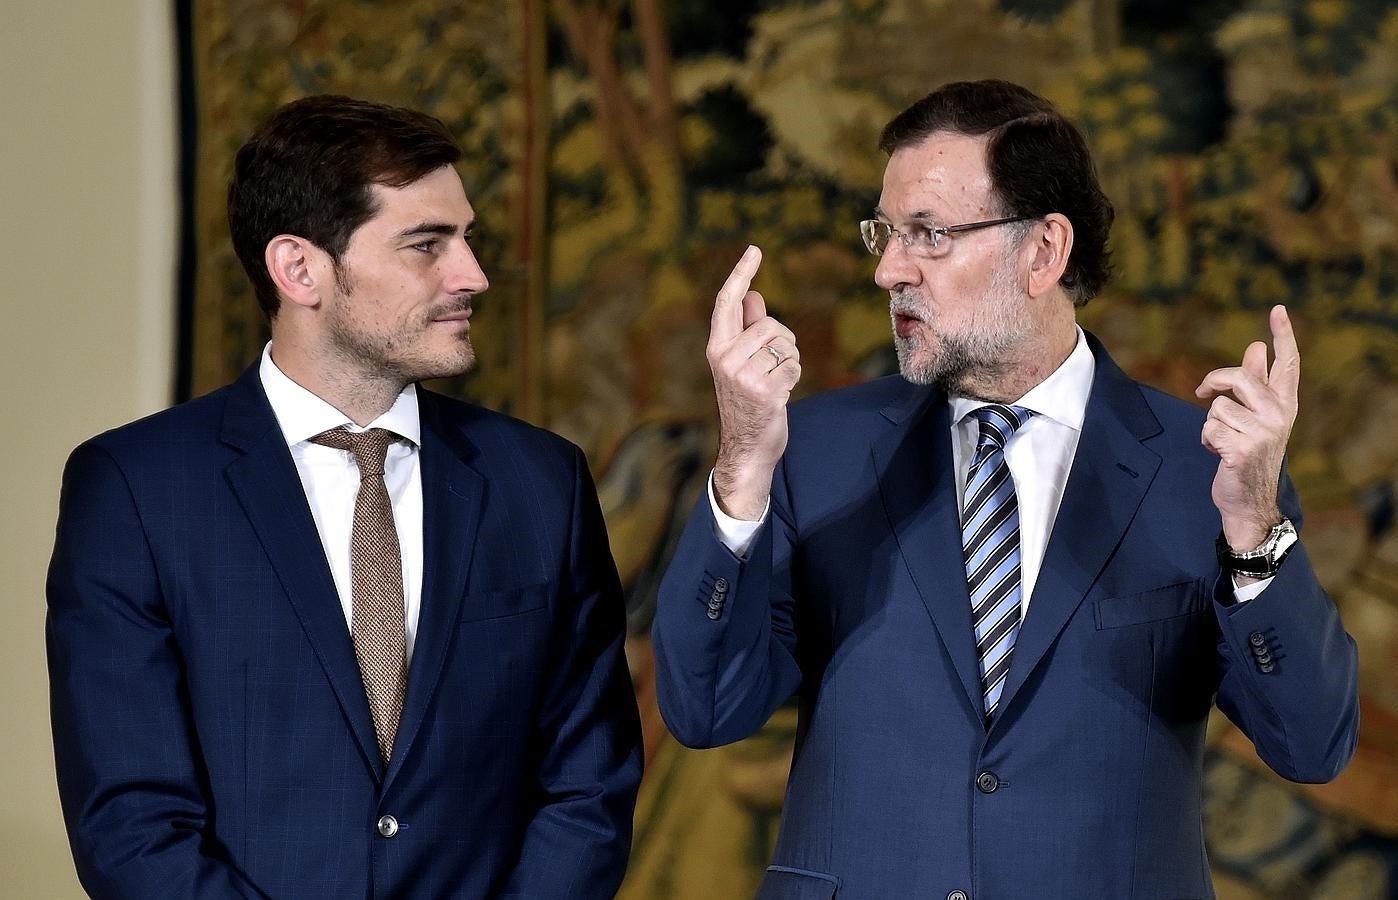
(961, 360)
(951, 369)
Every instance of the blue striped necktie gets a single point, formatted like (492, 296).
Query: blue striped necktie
(990, 542)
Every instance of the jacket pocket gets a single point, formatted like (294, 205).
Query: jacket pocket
(1180, 599)
(510, 602)
(787, 883)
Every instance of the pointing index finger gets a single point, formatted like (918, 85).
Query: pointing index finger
(1285, 376)
(728, 305)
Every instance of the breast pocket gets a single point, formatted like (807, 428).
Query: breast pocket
(499, 604)
(1158, 604)
(498, 667)
(787, 883)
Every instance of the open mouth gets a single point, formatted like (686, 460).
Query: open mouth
(905, 324)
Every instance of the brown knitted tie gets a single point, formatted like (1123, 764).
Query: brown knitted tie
(376, 580)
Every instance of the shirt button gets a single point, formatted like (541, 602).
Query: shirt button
(388, 826)
(987, 783)
(957, 895)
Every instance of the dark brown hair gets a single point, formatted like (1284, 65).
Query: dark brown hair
(308, 171)
(1038, 163)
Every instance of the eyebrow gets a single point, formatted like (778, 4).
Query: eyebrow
(920, 215)
(438, 228)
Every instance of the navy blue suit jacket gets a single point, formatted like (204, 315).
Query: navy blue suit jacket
(1088, 782)
(211, 732)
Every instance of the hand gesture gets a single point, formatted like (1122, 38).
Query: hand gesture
(755, 365)
(1249, 422)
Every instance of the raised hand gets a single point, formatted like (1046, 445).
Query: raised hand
(1248, 424)
(755, 365)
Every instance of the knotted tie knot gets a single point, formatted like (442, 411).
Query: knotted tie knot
(998, 421)
(370, 448)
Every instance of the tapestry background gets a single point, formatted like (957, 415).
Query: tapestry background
(621, 153)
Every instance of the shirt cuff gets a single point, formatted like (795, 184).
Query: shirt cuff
(735, 534)
(1246, 592)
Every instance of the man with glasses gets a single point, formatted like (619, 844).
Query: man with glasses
(1006, 587)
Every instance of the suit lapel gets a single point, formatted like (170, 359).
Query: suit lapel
(916, 477)
(265, 481)
(1112, 470)
(453, 495)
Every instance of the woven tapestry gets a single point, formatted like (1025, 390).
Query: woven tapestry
(621, 154)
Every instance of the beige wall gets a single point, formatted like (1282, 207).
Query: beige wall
(87, 205)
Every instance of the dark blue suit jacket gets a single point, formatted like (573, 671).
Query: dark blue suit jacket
(1087, 785)
(211, 731)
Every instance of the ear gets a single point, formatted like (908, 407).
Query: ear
(1050, 243)
(300, 270)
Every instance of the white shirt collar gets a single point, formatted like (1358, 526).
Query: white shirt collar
(1061, 397)
(302, 415)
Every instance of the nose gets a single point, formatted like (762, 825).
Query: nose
(465, 274)
(896, 267)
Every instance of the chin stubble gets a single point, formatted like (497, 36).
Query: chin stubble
(978, 355)
(391, 354)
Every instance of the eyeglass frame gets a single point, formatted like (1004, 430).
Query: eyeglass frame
(938, 232)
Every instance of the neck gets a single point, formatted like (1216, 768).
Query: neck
(1037, 357)
(361, 395)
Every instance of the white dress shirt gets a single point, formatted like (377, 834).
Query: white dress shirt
(330, 479)
(1040, 456)
(1040, 453)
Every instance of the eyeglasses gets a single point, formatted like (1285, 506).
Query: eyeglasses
(921, 240)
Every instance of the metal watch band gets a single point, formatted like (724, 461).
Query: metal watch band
(1266, 560)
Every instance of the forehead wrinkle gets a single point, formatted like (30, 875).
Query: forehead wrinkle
(437, 196)
(946, 174)
(959, 196)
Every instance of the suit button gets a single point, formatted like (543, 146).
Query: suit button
(987, 783)
(1264, 657)
(957, 895)
(1266, 668)
(712, 614)
(721, 586)
(388, 826)
(1256, 639)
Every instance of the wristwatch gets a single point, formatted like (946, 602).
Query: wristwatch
(1266, 559)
